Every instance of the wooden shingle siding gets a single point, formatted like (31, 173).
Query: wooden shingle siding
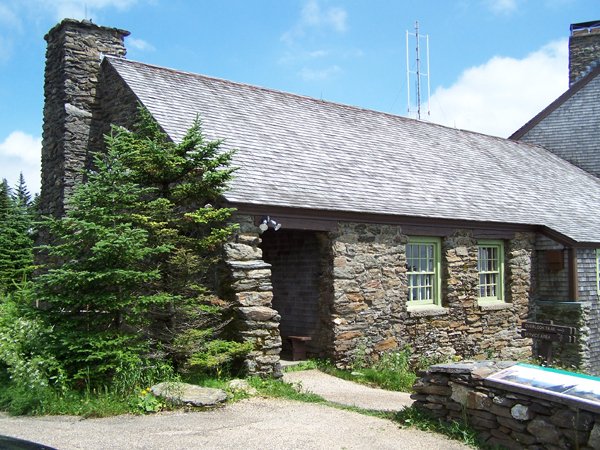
(572, 130)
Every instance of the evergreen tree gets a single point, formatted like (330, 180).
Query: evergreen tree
(5, 197)
(129, 264)
(188, 179)
(21, 194)
(16, 241)
(96, 289)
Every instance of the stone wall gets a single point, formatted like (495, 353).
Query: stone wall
(115, 104)
(584, 52)
(370, 309)
(73, 58)
(369, 289)
(247, 282)
(505, 418)
(588, 295)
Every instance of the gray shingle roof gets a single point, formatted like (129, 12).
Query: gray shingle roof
(300, 152)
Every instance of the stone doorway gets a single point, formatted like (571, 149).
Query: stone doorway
(302, 288)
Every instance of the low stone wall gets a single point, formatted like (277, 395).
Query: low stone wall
(502, 417)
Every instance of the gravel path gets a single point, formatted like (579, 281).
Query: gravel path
(256, 423)
(346, 392)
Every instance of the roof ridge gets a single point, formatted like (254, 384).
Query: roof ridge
(570, 92)
(301, 96)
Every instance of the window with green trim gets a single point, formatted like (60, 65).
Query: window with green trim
(490, 265)
(423, 270)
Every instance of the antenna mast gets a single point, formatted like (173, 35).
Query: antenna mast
(417, 72)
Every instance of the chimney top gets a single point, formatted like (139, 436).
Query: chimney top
(578, 29)
(86, 24)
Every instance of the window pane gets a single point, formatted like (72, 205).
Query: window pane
(489, 267)
(421, 271)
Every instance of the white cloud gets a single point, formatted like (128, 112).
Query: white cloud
(308, 74)
(21, 152)
(140, 44)
(502, 6)
(500, 96)
(313, 16)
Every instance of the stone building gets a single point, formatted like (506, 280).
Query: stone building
(570, 128)
(363, 231)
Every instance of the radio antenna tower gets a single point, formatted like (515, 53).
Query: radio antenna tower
(417, 74)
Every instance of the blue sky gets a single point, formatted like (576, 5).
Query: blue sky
(493, 63)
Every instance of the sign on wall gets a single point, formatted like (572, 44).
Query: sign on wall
(560, 383)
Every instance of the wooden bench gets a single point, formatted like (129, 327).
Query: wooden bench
(299, 347)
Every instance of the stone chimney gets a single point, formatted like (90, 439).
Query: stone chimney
(73, 56)
(584, 49)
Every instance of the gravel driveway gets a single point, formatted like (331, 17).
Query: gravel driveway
(256, 423)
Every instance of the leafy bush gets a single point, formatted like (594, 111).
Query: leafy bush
(218, 356)
(24, 353)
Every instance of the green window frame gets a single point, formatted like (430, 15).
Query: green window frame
(490, 268)
(423, 258)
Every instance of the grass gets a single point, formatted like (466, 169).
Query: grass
(46, 401)
(279, 389)
(460, 431)
(391, 372)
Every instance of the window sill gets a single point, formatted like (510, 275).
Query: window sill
(426, 310)
(494, 306)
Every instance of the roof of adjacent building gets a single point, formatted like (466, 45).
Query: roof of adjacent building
(300, 152)
(570, 126)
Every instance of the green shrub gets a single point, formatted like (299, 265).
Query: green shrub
(25, 357)
(219, 357)
(391, 371)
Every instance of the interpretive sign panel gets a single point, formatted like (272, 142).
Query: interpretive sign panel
(554, 382)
